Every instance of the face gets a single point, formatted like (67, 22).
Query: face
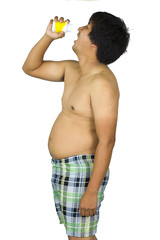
(83, 41)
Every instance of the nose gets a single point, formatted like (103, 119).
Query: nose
(80, 28)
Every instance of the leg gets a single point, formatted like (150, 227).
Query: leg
(85, 238)
(69, 195)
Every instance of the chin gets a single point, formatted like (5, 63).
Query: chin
(74, 48)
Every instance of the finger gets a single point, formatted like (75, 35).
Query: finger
(61, 19)
(55, 19)
(49, 27)
(62, 34)
(91, 212)
(94, 211)
(82, 212)
(58, 35)
(87, 212)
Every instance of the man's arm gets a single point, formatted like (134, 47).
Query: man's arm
(35, 66)
(104, 101)
(104, 95)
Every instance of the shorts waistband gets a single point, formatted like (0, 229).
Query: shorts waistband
(84, 157)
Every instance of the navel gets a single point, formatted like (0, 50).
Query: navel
(72, 107)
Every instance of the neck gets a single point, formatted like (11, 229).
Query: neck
(87, 66)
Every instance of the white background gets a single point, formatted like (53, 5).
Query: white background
(29, 106)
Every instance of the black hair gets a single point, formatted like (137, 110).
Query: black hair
(110, 34)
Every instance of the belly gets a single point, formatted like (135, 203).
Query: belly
(72, 135)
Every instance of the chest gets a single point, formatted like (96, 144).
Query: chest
(76, 98)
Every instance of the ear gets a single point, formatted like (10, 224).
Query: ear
(93, 45)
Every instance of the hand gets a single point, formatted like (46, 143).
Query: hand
(55, 35)
(88, 204)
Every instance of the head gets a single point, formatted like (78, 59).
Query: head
(110, 34)
(106, 36)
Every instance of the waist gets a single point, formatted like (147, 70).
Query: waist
(81, 158)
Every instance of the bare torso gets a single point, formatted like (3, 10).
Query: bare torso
(73, 131)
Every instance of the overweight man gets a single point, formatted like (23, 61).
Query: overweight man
(82, 138)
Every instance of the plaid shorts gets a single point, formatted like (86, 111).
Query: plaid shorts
(70, 178)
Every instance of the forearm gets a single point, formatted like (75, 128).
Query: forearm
(35, 57)
(101, 164)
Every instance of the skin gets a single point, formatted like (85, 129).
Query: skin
(89, 107)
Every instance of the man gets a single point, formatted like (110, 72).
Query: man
(83, 136)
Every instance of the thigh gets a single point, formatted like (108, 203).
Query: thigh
(70, 183)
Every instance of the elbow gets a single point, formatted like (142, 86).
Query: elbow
(111, 143)
(108, 142)
(113, 140)
(24, 69)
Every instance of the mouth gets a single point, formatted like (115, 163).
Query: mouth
(77, 38)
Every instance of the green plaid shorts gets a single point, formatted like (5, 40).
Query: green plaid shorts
(70, 178)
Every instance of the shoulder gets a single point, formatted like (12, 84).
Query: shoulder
(71, 63)
(71, 71)
(71, 66)
(105, 83)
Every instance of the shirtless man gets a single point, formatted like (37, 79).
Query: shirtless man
(84, 131)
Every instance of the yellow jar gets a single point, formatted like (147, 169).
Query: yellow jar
(61, 26)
